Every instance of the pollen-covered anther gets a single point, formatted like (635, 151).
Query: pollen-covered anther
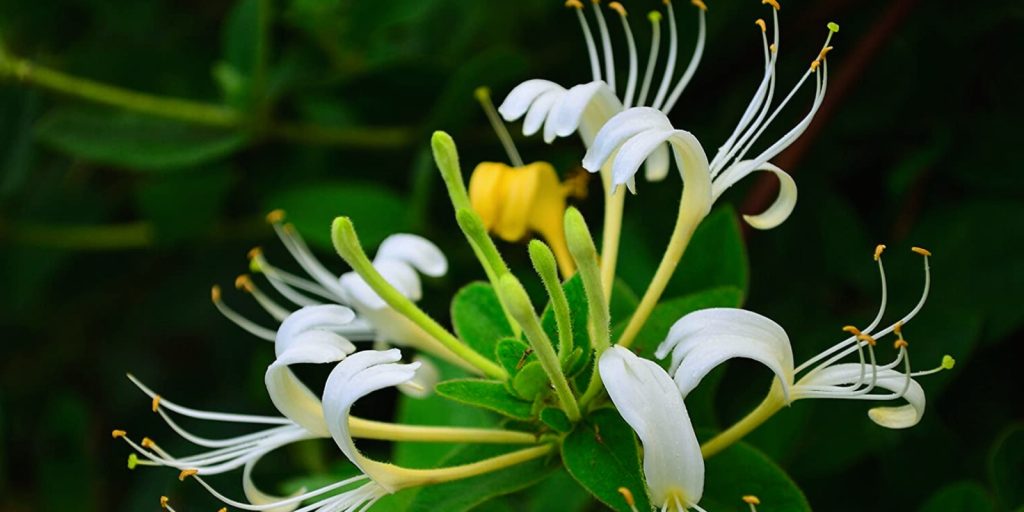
(575, 4)
(898, 329)
(750, 499)
(921, 250)
(815, 64)
(185, 473)
(215, 293)
(900, 343)
(824, 52)
(878, 251)
(773, 3)
(244, 282)
(762, 24)
(117, 434)
(700, 5)
(147, 442)
(627, 495)
(156, 403)
(852, 330)
(868, 338)
(164, 500)
(772, 48)
(276, 216)
(254, 253)
(617, 7)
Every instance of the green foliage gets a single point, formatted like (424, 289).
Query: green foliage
(531, 381)
(513, 354)
(741, 470)
(556, 419)
(478, 318)
(602, 455)
(312, 208)
(959, 497)
(716, 256)
(1006, 465)
(133, 141)
(668, 311)
(576, 296)
(488, 394)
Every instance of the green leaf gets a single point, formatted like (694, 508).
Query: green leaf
(133, 141)
(489, 394)
(1006, 466)
(531, 381)
(667, 312)
(577, 298)
(623, 301)
(715, 257)
(478, 318)
(556, 419)
(312, 208)
(959, 497)
(513, 354)
(602, 455)
(161, 199)
(465, 494)
(742, 469)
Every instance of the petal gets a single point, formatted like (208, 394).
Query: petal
(592, 104)
(324, 317)
(354, 378)
(904, 416)
(647, 399)
(620, 128)
(634, 151)
(656, 167)
(415, 250)
(422, 385)
(397, 273)
(780, 209)
(702, 340)
(522, 96)
(540, 110)
(258, 497)
(295, 401)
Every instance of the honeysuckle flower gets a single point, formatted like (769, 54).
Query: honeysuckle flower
(649, 401)
(702, 340)
(633, 135)
(586, 107)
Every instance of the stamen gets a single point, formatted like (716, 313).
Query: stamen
(631, 44)
(595, 67)
(878, 251)
(760, 22)
(187, 473)
(606, 42)
(652, 59)
(483, 96)
(244, 282)
(867, 337)
(698, 52)
(773, 3)
(900, 343)
(239, 320)
(165, 503)
(147, 443)
(699, 4)
(117, 434)
(156, 403)
(922, 251)
(276, 216)
(297, 247)
(752, 501)
(628, 496)
(670, 64)
(207, 415)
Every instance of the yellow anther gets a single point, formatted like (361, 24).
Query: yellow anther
(824, 52)
(575, 4)
(185, 473)
(163, 501)
(852, 330)
(878, 251)
(700, 5)
(814, 64)
(921, 250)
(867, 337)
(222, 509)
(156, 402)
(215, 293)
(147, 442)
(244, 282)
(898, 329)
(762, 24)
(254, 253)
(900, 343)
(750, 499)
(628, 496)
(773, 3)
(595, 2)
(117, 434)
(275, 216)
(772, 48)
(617, 7)
(666, 2)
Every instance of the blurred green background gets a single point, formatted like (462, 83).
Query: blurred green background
(114, 224)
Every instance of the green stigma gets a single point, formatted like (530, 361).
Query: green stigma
(133, 460)
(948, 362)
(654, 16)
(833, 27)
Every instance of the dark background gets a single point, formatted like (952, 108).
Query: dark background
(113, 225)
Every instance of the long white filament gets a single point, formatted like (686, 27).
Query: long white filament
(698, 52)
(606, 42)
(595, 66)
(631, 80)
(652, 59)
(670, 65)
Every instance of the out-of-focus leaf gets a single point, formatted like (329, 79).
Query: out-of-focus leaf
(461, 495)
(60, 471)
(18, 109)
(478, 318)
(741, 470)
(133, 141)
(1006, 465)
(959, 497)
(602, 455)
(184, 204)
(623, 301)
(715, 257)
(665, 314)
(557, 493)
(489, 394)
(376, 211)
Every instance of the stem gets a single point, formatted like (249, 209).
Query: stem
(399, 477)
(766, 409)
(522, 310)
(543, 261)
(369, 429)
(610, 237)
(192, 111)
(346, 242)
(686, 224)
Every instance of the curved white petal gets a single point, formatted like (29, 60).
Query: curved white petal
(415, 250)
(258, 497)
(397, 273)
(634, 151)
(422, 385)
(352, 379)
(522, 96)
(904, 416)
(702, 340)
(780, 209)
(323, 317)
(647, 399)
(592, 102)
(656, 167)
(540, 110)
(619, 129)
(295, 401)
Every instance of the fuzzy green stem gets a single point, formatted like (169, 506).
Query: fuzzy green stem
(346, 242)
(765, 410)
(581, 246)
(544, 261)
(522, 309)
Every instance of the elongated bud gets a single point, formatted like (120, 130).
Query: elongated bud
(447, 159)
(581, 246)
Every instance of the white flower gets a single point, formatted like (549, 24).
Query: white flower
(642, 130)
(702, 340)
(648, 400)
(587, 107)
